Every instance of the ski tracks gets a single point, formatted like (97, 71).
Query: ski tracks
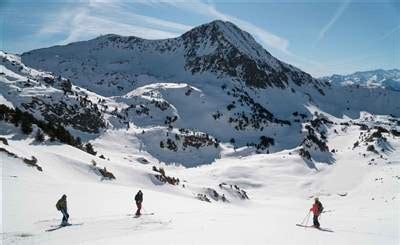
(88, 230)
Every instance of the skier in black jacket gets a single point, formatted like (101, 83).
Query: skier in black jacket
(61, 205)
(139, 200)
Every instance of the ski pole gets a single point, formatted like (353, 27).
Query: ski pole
(308, 214)
(308, 217)
(304, 219)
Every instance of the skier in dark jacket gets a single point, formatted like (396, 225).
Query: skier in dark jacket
(139, 200)
(317, 210)
(62, 206)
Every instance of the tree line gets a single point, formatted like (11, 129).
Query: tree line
(55, 131)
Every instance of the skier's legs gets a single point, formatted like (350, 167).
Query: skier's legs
(315, 221)
(139, 207)
(65, 216)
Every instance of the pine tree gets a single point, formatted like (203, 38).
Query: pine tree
(16, 117)
(26, 126)
(39, 137)
(66, 86)
(89, 149)
(78, 142)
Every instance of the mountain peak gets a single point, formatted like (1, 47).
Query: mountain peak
(225, 32)
(219, 23)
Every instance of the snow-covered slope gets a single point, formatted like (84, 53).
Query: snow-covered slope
(389, 79)
(361, 208)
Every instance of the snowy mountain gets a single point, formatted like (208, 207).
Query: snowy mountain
(215, 80)
(214, 52)
(210, 126)
(389, 79)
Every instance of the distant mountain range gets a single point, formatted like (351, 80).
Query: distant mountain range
(389, 79)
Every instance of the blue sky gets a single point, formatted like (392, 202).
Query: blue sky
(320, 37)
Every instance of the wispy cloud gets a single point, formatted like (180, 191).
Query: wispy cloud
(96, 17)
(85, 26)
(342, 8)
(388, 34)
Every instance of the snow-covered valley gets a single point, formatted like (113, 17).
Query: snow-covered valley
(361, 200)
(229, 145)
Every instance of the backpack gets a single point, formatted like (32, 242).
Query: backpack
(320, 207)
(139, 197)
(58, 205)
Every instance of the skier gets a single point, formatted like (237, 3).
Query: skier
(62, 206)
(139, 200)
(317, 210)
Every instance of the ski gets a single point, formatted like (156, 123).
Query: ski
(140, 214)
(62, 226)
(324, 229)
(311, 226)
(305, 226)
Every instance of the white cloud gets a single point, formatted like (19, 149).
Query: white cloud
(343, 6)
(96, 17)
(86, 26)
(159, 23)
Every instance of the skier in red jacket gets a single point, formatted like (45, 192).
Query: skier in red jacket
(317, 210)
